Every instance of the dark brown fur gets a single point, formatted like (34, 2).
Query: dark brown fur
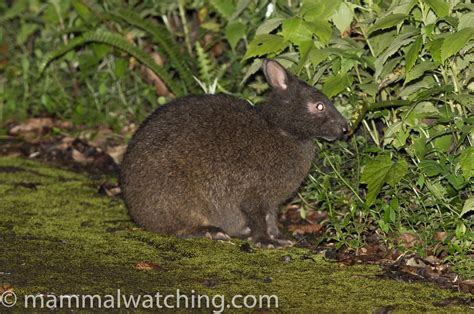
(216, 162)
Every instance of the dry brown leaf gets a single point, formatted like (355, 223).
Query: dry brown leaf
(304, 229)
(97, 138)
(316, 216)
(440, 235)
(4, 287)
(32, 128)
(147, 266)
(117, 152)
(409, 239)
(80, 157)
(152, 78)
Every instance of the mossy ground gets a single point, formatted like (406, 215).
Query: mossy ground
(58, 235)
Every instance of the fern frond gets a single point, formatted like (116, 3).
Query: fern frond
(206, 66)
(160, 35)
(117, 42)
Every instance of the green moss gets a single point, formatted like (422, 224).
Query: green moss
(60, 236)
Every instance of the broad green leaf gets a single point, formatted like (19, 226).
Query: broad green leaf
(399, 42)
(412, 54)
(387, 22)
(269, 25)
(240, 7)
(397, 172)
(454, 42)
(419, 70)
(319, 9)
(381, 170)
(431, 168)
(443, 143)
(265, 44)
(317, 56)
(234, 31)
(322, 29)
(466, 161)
(456, 181)
(468, 206)
(343, 17)
(435, 49)
(466, 20)
(296, 30)
(225, 8)
(440, 7)
(335, 84)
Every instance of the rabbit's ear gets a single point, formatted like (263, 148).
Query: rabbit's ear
(276, 74)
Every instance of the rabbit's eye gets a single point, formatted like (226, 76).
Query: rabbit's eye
(319, 106)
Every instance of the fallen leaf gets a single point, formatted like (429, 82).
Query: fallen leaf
(409, 240)
(147, 266)
(304, 229)
(117, 152)
(109, 189)
(5, 287)
(316, 217)
(440, 236)
(33, 125)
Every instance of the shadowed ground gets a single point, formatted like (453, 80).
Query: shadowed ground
(58, 235)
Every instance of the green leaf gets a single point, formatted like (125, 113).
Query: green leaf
(466, 20)
(419, 70)
(381, 170)
(466, 161)
(268, 26)
(335, 84)
(234, 31)
(456, 181)
(454, 42)
(399, 42)
(435, 49)
(121, 66)
(387, 22)
(440, 7)
(322, 29)
(431, 168)
(179, 59)
(412, 54)
(296, 30)
(343, 17)
(225, 8)
(265, 44)
(468, 206)
(319, 9)
(116, 41)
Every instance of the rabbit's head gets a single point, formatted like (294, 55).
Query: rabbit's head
(298, 108)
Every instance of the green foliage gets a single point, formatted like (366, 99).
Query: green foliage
(117, 42)
(403, 71)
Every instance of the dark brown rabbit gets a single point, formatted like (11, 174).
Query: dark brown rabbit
(215, 165)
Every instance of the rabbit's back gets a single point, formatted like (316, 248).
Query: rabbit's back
(195, 161)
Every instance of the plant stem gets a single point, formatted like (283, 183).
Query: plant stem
(344, 181)
(182, 15)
